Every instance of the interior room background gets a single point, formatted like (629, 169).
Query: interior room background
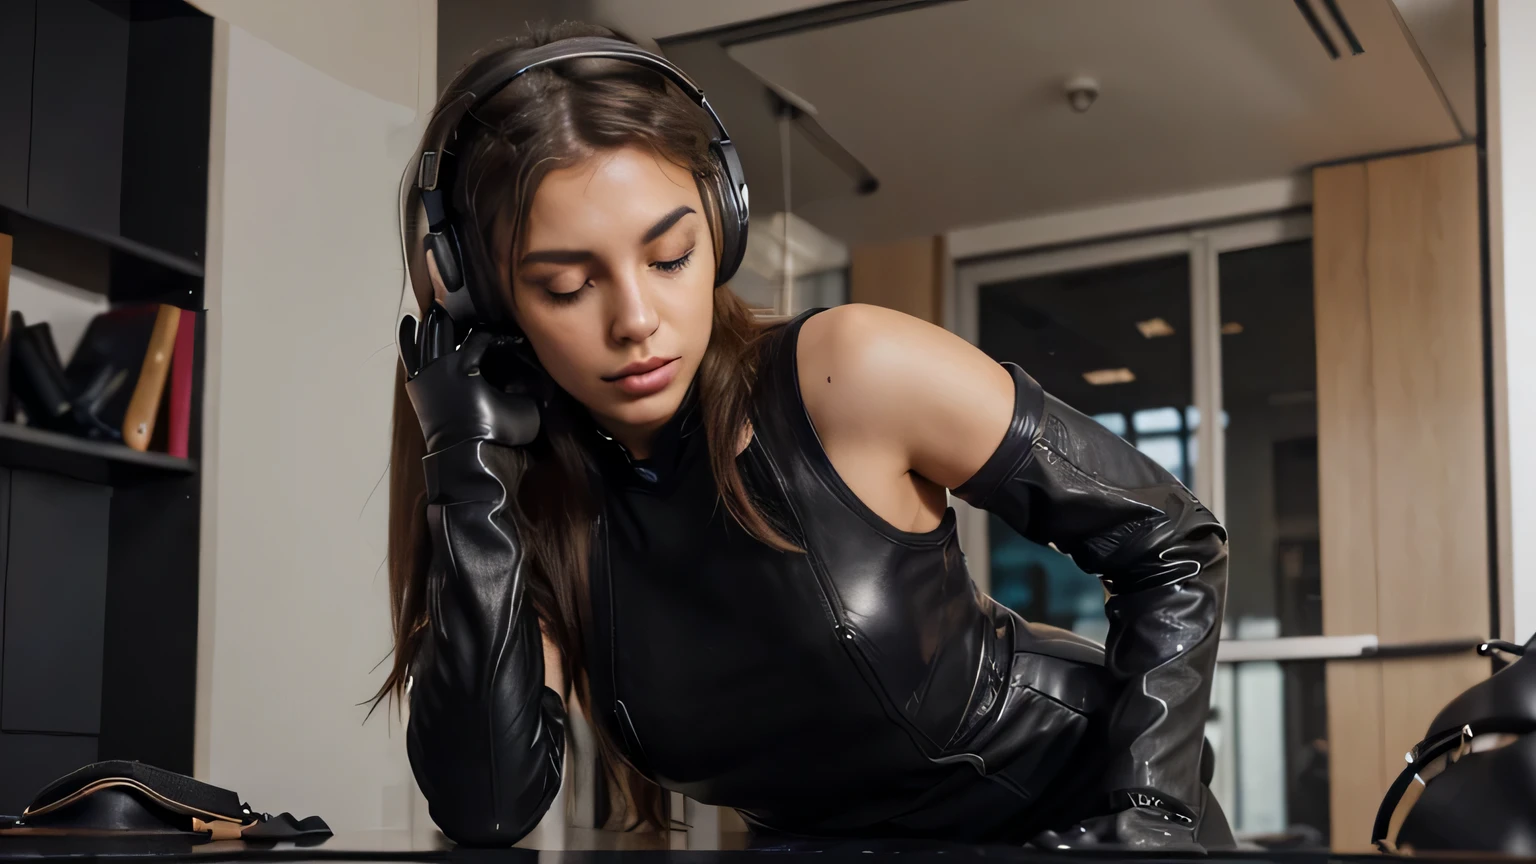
(1187, 261)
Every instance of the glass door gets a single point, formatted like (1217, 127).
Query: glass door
(1273, 713)
(1149, 337)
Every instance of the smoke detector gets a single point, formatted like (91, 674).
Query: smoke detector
(1082, 92)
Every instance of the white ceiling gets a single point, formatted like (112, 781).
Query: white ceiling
(659, 19)
(958, 108)
(1443, 31)
(466, 26)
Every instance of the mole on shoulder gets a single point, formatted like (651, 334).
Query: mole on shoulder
(829, 379)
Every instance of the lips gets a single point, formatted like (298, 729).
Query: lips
(640, 368)
(645, 377)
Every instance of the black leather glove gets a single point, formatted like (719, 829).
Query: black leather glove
(453, 401)
(486, 738)
(1061, 478)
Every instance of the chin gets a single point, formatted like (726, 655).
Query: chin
(647, 411)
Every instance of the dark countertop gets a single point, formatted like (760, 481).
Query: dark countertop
(585, 846)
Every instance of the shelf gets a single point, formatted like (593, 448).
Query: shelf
(121, 269)
(144, 251)
(23, 447)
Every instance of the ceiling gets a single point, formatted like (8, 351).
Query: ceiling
(466, 26)
(959, 108)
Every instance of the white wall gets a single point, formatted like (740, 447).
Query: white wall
(1511, 115)
(373, 45)
(66, 309)
(304, 281)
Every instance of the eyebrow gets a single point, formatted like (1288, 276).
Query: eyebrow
(665, 223)
(581, 256)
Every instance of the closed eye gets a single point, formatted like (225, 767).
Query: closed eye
(676, 264)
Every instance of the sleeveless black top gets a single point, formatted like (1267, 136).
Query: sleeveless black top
(861, 687)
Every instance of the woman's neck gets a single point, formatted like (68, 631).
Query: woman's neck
(640, 440)
(636, 440)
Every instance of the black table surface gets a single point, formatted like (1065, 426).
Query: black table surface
(585, 846)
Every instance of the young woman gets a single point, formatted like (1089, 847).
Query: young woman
(728, 540)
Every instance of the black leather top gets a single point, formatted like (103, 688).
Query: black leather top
(865, 688)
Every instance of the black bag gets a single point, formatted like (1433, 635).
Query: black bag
(134, 799)
(1478, 769)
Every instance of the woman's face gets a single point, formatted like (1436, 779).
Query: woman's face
(613, 284)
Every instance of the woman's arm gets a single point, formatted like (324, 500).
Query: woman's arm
(486, 736)
(990, 434)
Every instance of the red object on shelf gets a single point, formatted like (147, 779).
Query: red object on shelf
(180, 420)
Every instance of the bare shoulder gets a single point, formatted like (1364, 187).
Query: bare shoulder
(877, 378)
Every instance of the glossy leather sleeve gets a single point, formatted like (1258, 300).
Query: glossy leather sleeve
(1060, 478)
(486, 738)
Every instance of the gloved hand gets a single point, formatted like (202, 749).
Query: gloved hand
(454, 402)
(1137, 828)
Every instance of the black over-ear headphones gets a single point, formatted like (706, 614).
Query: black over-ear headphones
(468, 302)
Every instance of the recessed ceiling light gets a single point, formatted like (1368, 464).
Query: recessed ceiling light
(1100, 377)
(1154, 327)
(1231, 328)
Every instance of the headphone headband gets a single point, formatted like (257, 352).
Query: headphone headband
(576, 48)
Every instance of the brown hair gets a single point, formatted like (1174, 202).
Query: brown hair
(551, 117)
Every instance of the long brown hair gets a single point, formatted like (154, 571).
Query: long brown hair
(547, 118)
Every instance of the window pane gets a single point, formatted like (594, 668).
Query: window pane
(1165, 450)
(1129, 324)
(1272, 717)
(1156, 420)
(1113, 422)
(1269, 382)
(1269, 730)
(1192, 418)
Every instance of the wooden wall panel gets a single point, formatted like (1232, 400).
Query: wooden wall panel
(1426, 336)
(907, 276)
(1400, 446)
(1346, 436)
(1346, 427)
(1355, 757)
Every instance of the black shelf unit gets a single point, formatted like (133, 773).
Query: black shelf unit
(99, 462)
(104, 134)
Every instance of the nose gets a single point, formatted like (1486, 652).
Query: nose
(634, 314)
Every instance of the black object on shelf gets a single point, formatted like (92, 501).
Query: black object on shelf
(100, 462)
(39, 377)
(54, 402)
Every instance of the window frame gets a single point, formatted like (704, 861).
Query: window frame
(1204, 246)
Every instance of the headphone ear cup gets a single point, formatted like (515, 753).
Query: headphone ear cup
(445, 253)
(466, 300)
(732, 194)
